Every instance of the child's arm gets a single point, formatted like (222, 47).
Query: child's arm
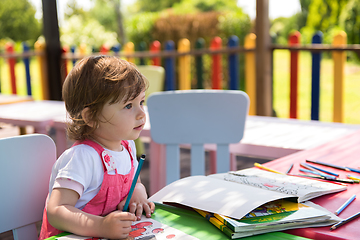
(139, 202)
(63, 215)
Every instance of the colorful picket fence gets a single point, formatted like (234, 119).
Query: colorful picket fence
(177, 64)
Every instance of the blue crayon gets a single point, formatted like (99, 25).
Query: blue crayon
(141, 161)
(323, 170)
(345, 204)
(318, 173)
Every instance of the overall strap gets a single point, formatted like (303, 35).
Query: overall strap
(99, 149)
(128, 148)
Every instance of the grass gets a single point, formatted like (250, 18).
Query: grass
(281, 86)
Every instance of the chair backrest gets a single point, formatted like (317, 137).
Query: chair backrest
(197, 117)
(25, 168)
(156, 77)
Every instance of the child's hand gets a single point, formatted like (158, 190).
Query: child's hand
(139, 202)
(117, 224)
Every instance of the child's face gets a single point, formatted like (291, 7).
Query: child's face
(121, 121)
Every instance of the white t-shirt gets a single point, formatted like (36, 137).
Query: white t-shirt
(80, 169)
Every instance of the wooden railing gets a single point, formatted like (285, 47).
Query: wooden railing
(184, 66)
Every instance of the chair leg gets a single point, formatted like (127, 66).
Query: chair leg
(233, 164)
(28, 232)
(212, 167)
(157, 167)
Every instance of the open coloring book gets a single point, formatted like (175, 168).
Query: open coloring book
(145, 229)
(235, 194)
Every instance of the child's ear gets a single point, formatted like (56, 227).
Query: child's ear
(85, 115)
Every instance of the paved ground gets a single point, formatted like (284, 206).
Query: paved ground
(242, 162)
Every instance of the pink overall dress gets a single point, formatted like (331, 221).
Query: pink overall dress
(113, 190)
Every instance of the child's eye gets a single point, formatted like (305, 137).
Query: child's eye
(128, 106)
(142, 102)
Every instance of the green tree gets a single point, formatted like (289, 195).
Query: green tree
(349, 20)
(155, 6)
(17, 21)
(108, 13)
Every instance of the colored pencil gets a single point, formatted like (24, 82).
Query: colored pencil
(328, 179)
(352, 198)
(266, 168)
(141, 161)
(288, 171)
(323, 170)
(318, 173)
(337, 225)
(353, 177)
(329, 165)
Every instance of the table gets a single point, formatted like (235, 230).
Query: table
(264, 137)
(193, 224)
(38, 114)
(344, 151)
(12, 98)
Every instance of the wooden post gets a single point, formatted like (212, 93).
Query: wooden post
(215, 44)
(294, 40)
(250, 72)
(263, 60)
(155, 47)
(27, 68)
(170, 80)
(53, 48)
(199, 44)
(129, 48)
(315, 77)
(234, 78)
(12, 61)
(339, 58)
(184, 65)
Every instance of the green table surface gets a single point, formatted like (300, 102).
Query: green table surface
(194, 224)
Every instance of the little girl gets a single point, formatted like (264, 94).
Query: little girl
(104, 97)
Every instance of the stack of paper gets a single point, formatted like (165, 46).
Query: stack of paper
(278, 215)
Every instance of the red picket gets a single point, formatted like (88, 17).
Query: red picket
(155, 47)
(216, 66)
(65, 72)
(104, 49)
(294, 40)
(11, 60)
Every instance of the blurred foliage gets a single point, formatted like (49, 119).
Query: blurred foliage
(77, 31)
(327, 16)
(154, 6)
(91, 28)
(139, 27)
(190, 19)
(18, 22)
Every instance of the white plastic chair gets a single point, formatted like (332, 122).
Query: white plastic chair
(197, 117)
(25, 168)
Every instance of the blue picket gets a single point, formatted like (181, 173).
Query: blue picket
(116, 49)
(315, 78)
(26, 61)
(142, 47)
(233, 64)
(170, 67)
(200, 44)
(72, 49)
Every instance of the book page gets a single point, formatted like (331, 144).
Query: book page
(304, 188)
(216, 195)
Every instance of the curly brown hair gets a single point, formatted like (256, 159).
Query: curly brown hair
(93, 82)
